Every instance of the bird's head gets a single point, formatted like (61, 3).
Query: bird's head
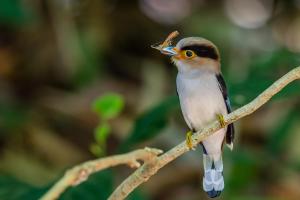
(194, 53)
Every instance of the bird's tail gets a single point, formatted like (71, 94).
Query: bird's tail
(213, 181)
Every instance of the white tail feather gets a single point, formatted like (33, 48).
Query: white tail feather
(230, 146)
(213, 180)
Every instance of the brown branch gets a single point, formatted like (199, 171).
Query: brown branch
(150, 167)
(81, 172)
(153, 162)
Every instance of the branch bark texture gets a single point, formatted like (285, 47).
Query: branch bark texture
(150, 167)
(81, 172)
(152, 159)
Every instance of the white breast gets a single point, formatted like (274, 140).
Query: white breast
(200, 98)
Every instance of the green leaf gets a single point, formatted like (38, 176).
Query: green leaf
(90, 59)
(12, 189)
(102, 132)
(252, 197)
(97, 150)
(151, 123)
(243, 161)
(278, 139)
(108, 106)
(12, 117)
(14, 12)
(137, 194)
(98, 186)
(263, 71)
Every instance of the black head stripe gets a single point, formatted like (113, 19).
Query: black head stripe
(203, 51)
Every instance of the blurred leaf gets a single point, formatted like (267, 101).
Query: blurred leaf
(151, 123)
(108, 106)
(264, 70)
(11, 116)
(97, 150)
(242, 161)
(14, 12)
(98, 186)
(137, 194)
(277, 141)
(12, 189)
(253, 197)
(90, 59)
(293, 165)
(101, 132)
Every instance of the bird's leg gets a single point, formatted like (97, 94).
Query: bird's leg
(221, 120)
(188, 140)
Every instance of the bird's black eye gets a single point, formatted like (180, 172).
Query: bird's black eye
(189, 53)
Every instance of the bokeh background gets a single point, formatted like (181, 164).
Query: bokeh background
(78, 80)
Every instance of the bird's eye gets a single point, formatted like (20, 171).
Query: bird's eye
(189, 53)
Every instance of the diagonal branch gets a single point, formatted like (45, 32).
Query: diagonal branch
(81, 172)
(150, 167)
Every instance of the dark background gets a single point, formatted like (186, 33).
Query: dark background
(78, 80)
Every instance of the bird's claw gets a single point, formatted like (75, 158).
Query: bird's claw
(221, 120)
(188, 140)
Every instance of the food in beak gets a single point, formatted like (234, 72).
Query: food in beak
(165, 47)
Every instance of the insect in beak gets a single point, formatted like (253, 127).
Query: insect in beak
(166, 46)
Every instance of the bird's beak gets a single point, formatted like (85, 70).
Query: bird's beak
(170, 51)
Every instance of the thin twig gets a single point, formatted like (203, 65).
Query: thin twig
(81, 172)
(168, 41)
(150, 167)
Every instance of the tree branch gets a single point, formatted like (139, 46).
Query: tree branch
(150, 167)
(153, 162)
(81, 172)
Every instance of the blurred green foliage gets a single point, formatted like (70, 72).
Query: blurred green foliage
(263, 71)
(14, 12)
(76, 43)
(12, 117)
(99, 186)
(107, 107)
(280, 133)
(12, 189)
(102, 132)
(151, 123)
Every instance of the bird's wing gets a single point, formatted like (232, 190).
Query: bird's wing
(230, 127)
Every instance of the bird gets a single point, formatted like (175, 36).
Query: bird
(203, 98)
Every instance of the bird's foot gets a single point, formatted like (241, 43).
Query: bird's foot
(188, 140)
(221, 120)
